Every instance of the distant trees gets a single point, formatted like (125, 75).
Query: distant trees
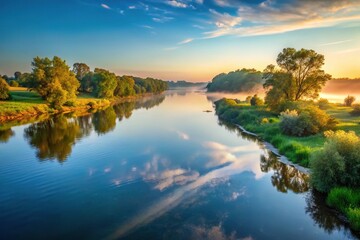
(349, 100)
(124, 86)
(53, 80)
(299, 76)
(244, 80)
(4, 89)
(256, 101)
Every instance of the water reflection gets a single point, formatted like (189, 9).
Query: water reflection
(5, 135)
(55, 137)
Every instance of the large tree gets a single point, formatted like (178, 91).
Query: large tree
(104, 83)
(125, 86)
(299, 76)
(54, 81)
(80, 70)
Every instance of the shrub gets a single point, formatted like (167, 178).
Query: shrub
(256, 101)
(14, 83)
(338, 163)
(91, 104)
(323, 103)
(304, 122)
(349, 100)
(264, 121)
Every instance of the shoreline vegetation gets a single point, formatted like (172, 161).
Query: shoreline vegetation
(311, 132)
(52, 87)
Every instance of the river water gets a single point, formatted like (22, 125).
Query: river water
(158, 168)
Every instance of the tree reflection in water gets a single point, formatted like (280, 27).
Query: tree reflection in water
(55, 137)
(5, 135)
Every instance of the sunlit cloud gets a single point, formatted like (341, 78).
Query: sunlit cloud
(178, 4)
(105, 6)
(335, 43)
(183, 135)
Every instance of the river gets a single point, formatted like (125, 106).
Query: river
(158, 168)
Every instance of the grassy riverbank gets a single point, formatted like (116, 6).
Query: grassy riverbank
(265, 124)
(25, 105)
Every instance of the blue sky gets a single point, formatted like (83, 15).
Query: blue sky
(178, 39)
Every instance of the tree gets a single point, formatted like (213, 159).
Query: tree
(299, 77)
(125, 86)
(104, 83)
(54, 81)
(256, 101)
(17, 75)
(349, 100)
(4, 89)
(14, 83)
(80, 70)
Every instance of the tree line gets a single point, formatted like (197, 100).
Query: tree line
(57, 83)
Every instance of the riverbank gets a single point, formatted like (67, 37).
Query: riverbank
(265, 124)
(25, 105)
(257, 121)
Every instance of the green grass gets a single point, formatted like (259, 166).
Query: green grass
(266, 125)
(347, 201)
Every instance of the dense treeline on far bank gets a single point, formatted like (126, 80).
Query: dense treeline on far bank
(309, 131)
(53, 86)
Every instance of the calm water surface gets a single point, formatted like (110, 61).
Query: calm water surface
(159, 168)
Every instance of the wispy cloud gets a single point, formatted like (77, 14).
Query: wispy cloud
(273, 17)
(147, 26)
(335, 43)
(132, 7)
(170, 48)
(105, 6)
(185, 41)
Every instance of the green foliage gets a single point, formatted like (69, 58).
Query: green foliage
(300, 76)
(304, 122)
(125, 86)
(4, 89)
(347, 201)
(54, 81)
(243, 80)
(104, 83)
(80, 70)
(323, 104)
(13, 83)
(256, 101)
(149, 85)
(338, 163)
(349, 100)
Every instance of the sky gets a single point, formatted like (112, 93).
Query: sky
(190, 40)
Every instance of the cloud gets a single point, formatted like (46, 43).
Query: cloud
(132, 7)
(335, 43)
(273, 17)
(105, 6)
(177, 4)
(147, 27)
(188, 40)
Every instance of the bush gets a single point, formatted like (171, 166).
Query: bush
(256, 101)
(323, 104)
(304, 122)
(338, 163)
(348, 101)
(91, 104)
(14, 83)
